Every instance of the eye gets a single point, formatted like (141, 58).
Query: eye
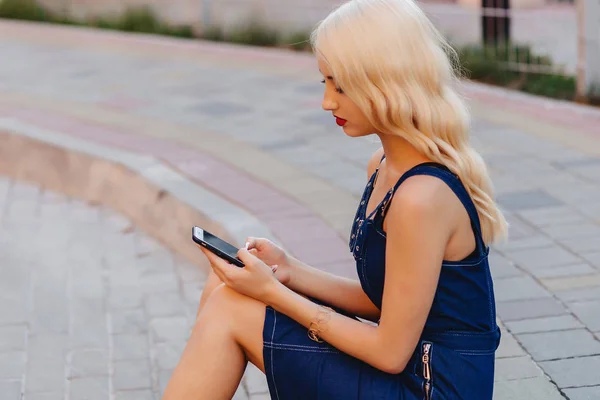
(339, 90)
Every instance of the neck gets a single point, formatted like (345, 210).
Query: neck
(400, 155)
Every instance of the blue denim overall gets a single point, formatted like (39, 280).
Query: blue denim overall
(454, 358)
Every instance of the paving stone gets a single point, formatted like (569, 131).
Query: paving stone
(522, 309)
(573, 372)
(584, 393)
(167, 355)
(191, 273)
(93, 388)
(537, 258)
(12, 337)
(159, 283)
(135, 395)
(593, 258)
(572, 282)
(128, 321)
(509, 347)
(125, 297)
(560, 344)
(192, 293)
(502, 267)
(552, 216)
(580, 294)
(526, 200)
(570, 231)
(132, 374)
(90, 336)
(169, 329)
(534, 388)
(10, 390)
(264, 396)
(256, 382)
(512, 368)
(164, 304)
(588, 312)
(45, 376)
(47, 346)
(86, 363)
(45, 396)
(12, 365)
(163, 379)
(545, 324)
(581, 244)
(130, 346)
(532, 241)
(518, 288)
(565, 271)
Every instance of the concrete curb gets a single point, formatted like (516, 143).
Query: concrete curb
(161, 201)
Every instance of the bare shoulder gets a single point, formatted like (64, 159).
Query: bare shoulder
(374, 162)
(424, 200)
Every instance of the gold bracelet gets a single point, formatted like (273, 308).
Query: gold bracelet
(319, 324)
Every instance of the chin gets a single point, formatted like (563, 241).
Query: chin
(354, 132)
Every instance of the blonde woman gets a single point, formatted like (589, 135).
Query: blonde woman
(420, 238)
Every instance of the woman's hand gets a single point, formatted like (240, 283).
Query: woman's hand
(272, 255)
(255, 280)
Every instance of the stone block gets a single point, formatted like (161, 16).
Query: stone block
(560, 344)
(573, 372)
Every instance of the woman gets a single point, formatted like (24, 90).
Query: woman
(420, 239)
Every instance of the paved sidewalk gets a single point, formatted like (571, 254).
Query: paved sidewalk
(246, 124)
(91, 307)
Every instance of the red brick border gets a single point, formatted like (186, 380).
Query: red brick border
(299, 229)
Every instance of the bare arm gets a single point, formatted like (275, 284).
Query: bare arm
(346, 294)
(418, 233)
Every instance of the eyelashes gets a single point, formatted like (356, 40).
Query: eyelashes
(337, 89)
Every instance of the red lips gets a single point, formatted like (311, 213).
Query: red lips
(340, 121)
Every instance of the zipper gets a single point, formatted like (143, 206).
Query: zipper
(426, 359)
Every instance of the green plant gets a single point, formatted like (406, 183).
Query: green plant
(29, 10)
(297, 40)
(213, 33)
(492, 65)
(139, 19)
(254, 33)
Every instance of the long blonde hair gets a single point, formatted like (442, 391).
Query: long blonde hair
(391, 61)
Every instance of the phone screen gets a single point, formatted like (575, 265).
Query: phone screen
(215, 242)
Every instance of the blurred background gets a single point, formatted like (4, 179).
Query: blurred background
(123, 123)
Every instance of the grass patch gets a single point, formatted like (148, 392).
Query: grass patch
(27, 10)
(483, 64)
(254, 33)
(492, 66)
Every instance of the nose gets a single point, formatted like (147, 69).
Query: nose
(329, 103)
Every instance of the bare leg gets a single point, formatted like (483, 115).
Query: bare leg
(228, 332)
(211, 284)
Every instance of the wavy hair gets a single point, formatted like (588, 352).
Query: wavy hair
(393, 63)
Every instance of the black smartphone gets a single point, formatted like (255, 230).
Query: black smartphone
(217, 245)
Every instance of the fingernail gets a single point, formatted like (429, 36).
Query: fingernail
(247, 245)
(274, 267)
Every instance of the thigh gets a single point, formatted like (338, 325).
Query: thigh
(246, 317)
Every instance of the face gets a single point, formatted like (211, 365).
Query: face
(345, 112)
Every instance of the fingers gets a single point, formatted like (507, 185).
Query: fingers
(250, 243)
(222, 268)
(247, 257)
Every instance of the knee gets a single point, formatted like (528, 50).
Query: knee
(222, 302)
(229, 307)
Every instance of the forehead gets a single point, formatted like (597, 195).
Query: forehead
(323, 67)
